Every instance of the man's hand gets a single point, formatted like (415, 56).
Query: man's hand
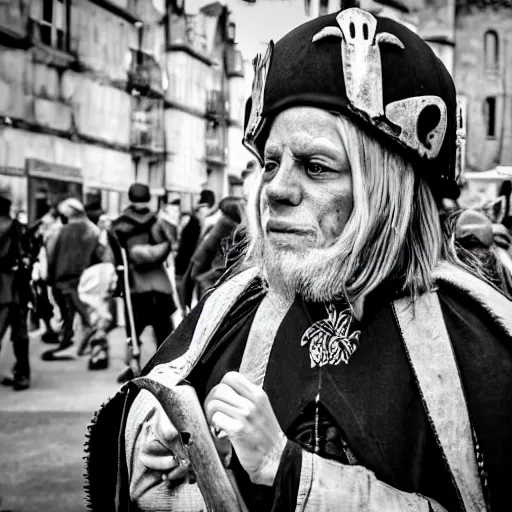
(242, 410)
(158, 450)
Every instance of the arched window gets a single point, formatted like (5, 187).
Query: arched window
(490, 116)
(491, 49)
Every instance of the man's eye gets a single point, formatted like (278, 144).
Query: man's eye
(269, 166)
(316, 169)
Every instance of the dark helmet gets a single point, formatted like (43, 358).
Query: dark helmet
(376, 72)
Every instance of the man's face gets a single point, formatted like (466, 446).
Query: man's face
(306, 197)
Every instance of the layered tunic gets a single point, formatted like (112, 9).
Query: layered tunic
(359, 407)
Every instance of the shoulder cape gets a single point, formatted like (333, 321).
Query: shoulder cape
(106, 473)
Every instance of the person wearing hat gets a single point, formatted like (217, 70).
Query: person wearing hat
(14, 296)
(346, 363)
(207, 211)
(472, 239)
(76, 247)
(148, 241)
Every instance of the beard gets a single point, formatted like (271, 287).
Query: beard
(313, 273)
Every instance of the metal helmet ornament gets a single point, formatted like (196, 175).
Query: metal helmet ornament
(375, 71)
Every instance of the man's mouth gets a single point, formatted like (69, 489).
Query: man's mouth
(284, 227)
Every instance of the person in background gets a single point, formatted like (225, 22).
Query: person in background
(470, 239)
(209, 259)
(44, 308)
(148, 242)
(207, 211)
(95, 290)
(14, 292)
(199, 223)
(76, 248)
(93, 208)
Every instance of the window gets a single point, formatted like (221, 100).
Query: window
(490, 116)
(324, 7)
(307, 7)
(491, 50)
(50, 22)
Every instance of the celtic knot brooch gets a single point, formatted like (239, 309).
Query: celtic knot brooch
(330, 340)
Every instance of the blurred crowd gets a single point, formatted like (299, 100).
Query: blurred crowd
(75, 261)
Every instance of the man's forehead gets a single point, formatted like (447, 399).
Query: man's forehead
(301, 142)
(303, 126)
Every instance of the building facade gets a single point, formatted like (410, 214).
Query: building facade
(97, 94)
(204, 102)
(483, 75)
(64, 110)
(474, 40)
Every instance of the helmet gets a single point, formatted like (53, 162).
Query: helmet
(376, 72)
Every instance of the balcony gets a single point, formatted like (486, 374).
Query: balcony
(215, 146)
(185, 36)
(147, 128)
(234, 62)
(125, 9)
(144, 74)
(217, 106)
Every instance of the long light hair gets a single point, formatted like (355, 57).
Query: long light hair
(393, 231)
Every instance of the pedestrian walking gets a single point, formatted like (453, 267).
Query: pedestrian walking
(148, 242)
(209, 258)
(76, 247)
(346, 366)
(43, 309)
(201, 221)
(14, 292)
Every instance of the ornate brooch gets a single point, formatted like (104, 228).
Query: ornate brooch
(331, 340)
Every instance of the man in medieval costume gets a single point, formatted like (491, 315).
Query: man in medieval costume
(345, 364)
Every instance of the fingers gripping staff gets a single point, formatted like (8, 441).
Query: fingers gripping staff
(184, 443)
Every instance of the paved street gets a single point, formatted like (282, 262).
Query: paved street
(42, 430)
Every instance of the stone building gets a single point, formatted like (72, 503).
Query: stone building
(64, 109)
(483, 76)
(474, 40)
(96, 94)
(204, 103)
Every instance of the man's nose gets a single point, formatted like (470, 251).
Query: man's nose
(284, 188)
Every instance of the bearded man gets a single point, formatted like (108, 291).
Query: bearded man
(348, 365)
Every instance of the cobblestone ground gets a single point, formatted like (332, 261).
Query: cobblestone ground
(42, 430)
